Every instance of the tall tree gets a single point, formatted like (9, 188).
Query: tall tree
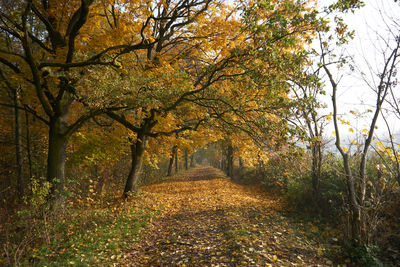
(357, 185)
(143, 61)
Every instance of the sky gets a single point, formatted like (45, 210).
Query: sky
(371, 24)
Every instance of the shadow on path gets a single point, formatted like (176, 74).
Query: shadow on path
(207, 220)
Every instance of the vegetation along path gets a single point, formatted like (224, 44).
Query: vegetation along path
(207, 220)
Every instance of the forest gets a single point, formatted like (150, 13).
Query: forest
(199, 133)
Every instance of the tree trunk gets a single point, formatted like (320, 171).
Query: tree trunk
(171, 163)
(186, 160)
(316, 172)
(229, 160)
(28, 143)
(176, 161)
(137, 151)
(100, 179)
(355, 208)
(191, 161)
(56, 158)
(223, 164)
(59, 132)
(171, 160)
(18, 144)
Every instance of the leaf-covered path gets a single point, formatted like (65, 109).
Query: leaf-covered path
(207, 220)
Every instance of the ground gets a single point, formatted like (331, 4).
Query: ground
(207, 220)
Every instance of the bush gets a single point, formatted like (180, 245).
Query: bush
(361, 255)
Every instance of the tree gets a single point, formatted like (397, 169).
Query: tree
(15, 93)
(171, 159)
(306, 92)
(389, 148)
(213, 68)
(56, 54)
(358, 190)
(140, 62)
(39, 43)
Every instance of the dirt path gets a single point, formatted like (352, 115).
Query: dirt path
(209, 221)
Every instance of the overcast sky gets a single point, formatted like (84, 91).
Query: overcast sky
(371, 23)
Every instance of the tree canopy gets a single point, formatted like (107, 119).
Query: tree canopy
(158, 68)
(103, 98)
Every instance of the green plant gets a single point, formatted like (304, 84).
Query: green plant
(40, 189)
(361, 255)
(299, 192)
(90, 237)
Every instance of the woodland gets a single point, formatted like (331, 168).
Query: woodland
(195, 133)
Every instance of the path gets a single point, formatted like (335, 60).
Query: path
(208, 220)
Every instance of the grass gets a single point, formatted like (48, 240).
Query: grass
(79, 235)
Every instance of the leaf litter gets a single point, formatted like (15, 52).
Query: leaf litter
(207, 220)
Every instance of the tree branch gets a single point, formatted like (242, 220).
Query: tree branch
(121, 119)
(179, 130)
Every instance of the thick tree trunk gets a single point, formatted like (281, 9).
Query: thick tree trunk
(59, 132)
(137, 151)
(18, 145)
(56, 159)
(186, 160)
(171, 160)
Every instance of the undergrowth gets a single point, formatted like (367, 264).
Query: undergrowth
(85, 234)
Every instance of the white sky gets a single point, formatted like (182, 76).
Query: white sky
(367, 46)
